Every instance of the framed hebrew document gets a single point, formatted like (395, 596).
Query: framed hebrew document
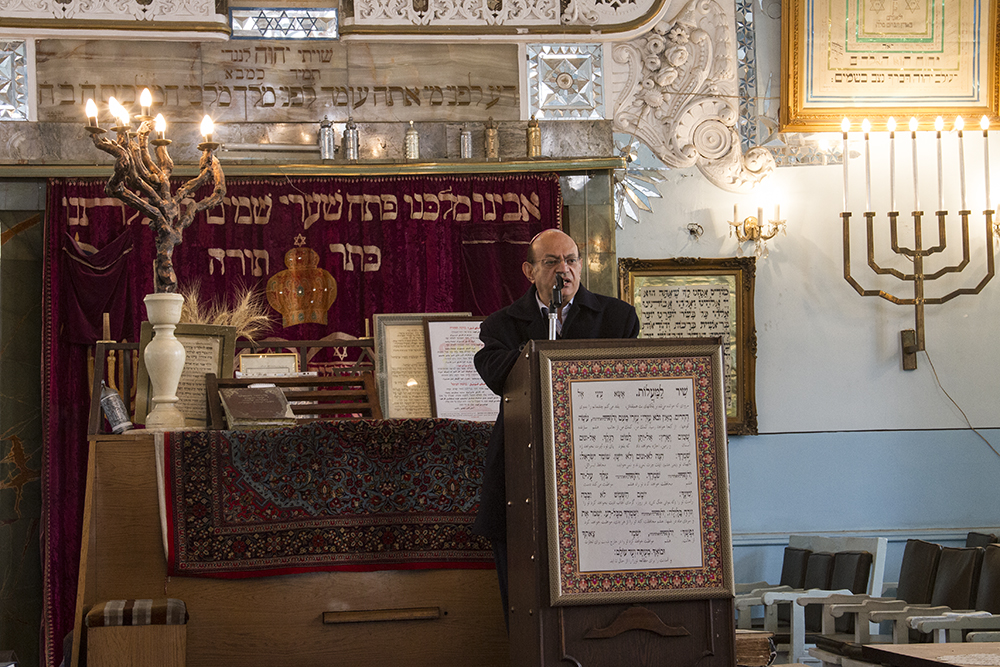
(457, 390)
(636, 475)
(401, 363)
(884, 58)
(690, 298)
(208, 348)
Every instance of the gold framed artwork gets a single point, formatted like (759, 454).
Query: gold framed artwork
(208, 348)
(879, 59)
(698, 298)
(636, 473)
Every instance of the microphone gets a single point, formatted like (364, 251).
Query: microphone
(554, 305)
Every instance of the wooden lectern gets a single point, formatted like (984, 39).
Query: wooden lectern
(620, 550)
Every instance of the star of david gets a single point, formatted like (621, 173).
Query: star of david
(878, 5)
(300, 241)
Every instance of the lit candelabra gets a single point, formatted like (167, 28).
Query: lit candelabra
(912, 340)
(145, 186)
(759, 230)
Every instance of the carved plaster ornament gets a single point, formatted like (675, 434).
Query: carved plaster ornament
(679, 97)
(139, 10)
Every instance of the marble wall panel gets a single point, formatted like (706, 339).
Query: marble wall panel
(20, 426)
(281, 82)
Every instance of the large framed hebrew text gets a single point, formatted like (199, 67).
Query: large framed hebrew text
(636, 474)
(879, 59)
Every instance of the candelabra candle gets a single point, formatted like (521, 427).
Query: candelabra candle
(985, 124)
(145, 102)
(160, 124)
(91, 111)
(845, 125)
(938, 126)
(207, 127)
(960, 125)
(866, 128)
(892, 163)
(916, 189)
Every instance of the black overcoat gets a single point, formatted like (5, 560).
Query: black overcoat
(504, 334)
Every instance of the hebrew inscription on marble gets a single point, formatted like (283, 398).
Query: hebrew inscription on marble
(271, 82)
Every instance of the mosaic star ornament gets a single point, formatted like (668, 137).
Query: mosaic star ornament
(634, 185)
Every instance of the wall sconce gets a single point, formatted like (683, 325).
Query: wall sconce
(756, 229)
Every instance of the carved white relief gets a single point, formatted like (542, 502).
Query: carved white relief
(113, 10)
(498, 12)
(675, 90)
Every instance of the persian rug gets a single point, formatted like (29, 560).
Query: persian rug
(330, 495)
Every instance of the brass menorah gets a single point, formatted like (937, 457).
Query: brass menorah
(912, 340)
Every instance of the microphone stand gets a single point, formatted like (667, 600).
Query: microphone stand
(554, 305)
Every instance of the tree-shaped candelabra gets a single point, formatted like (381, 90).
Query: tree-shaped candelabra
(144, 185)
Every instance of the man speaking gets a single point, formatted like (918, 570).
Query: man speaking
(552, 255)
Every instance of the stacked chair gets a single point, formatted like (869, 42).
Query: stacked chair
(808, 573)
(934, 582)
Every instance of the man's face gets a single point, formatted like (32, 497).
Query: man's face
(555, 254)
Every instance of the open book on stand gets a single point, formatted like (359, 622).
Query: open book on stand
(256, 407)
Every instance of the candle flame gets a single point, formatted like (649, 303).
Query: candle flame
(866, 127)
(984, 123)
(160, 123)
(845, 125)
(145, 98)
(939, 123)
(959, 123)
(891, 124)
(206, 126)
(91, 108)
(913, 124)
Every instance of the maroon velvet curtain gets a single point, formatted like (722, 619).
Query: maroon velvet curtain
(384, 245)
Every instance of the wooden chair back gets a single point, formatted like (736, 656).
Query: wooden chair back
(351, 395)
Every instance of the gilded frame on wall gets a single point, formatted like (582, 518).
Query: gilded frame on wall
(726, 283)
(859, 60)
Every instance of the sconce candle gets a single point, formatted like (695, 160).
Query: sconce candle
(845, 125)
(866, 127)
(892, 163)
(985, 124)
(960, 125)
(161, 126)
(916, 189)
(938, 126)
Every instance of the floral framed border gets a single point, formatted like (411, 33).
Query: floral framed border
(636, 476)
(841, 58)
(735, 273)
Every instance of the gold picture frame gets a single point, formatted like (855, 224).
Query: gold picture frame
(720, 283)
(855, 60)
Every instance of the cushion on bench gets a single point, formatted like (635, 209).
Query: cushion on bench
(160, 611)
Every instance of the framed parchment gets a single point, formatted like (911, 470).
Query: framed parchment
(690, 298)
(636, 474)
(879, 59)
(401, 363)
(269, 364)
(457, 390)
(208, 348)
